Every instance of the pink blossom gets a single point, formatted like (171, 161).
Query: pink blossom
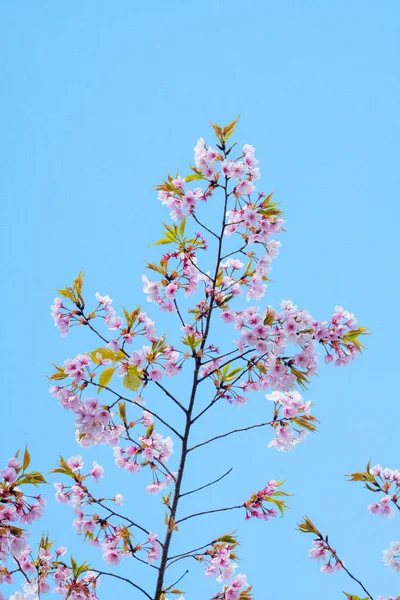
(118, 499)
(75, 463)
(97, 472)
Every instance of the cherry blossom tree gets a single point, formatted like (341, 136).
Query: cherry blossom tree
(203, 275)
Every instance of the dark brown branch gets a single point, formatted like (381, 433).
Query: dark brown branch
(179, 313)
(234, 252)
(346, 570)
(223, 435)
(170, 587)
(104, 387)
(115, 514)
(87, 322)
(184, 554)
(209, 512)
(208, 484)
(21, 569)
(185, 439)
(123, 579)
(204, 226)
(167, 393)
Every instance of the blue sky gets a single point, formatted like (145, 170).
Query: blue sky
(99, 101)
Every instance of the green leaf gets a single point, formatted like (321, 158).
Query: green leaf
(227, 539)
(74, 567)
(106, 376)
(307, 526)
(352, 597)
(59, 375)
(132, 381)
(353, 335)
(35, 478)
(27, 459)
(106, 353)
(182, 227)
(67, 293)
(122, 410)
(194, 177)
(229, 129)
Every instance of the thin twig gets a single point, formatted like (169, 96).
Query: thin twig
(179, 313)
(104, 387)
(177, 581)
(204, 226)
(167, 393)
(208, 512)
(123, 579)
(223, 435)
(192, 551)
(208, 484)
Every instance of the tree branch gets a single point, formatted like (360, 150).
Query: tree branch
(204, 226)
(167, 393)
(208, 512)
(208, 484)
(223, 435)
(104, 387)
(123, 579)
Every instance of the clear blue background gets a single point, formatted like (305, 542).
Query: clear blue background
(99, 100)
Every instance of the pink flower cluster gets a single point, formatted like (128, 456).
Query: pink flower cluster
(271, 333)
(237, 586)
(16, 508)
(255, 505)
(322, 551)
(94, 422)
(61, 316)
(391, 557)
(181, 202)
(289, 407)
(65, 317)
(19, 509)
(183, 274)
(388, 481)
(154, 365)
(114, 539)
(221, 563)
(83, 588)
(67, 583)
(151, 449)
(256, 228)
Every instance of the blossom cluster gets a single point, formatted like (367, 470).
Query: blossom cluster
(16, 508)
(322, 551)
(255, 220)
(220, 559)
(76, 583)
(391, 557)
(255, 506)
(37, 568)
(136, 323)
(115, 540)
(290, 409)
(152, 447)
(178, 270)
(272, 333)
(388, 482)
(96, 423)
(237, 590)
